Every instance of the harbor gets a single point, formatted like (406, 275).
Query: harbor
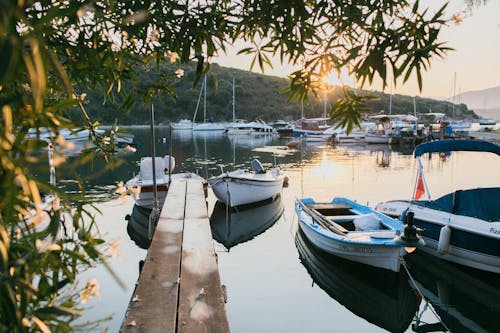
(269, 277)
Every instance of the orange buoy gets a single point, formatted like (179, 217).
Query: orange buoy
(285, 181)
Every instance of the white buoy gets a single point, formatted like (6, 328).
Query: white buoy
(444, 240)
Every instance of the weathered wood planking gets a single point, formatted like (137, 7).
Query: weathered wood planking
(201, 301)
(153, 307)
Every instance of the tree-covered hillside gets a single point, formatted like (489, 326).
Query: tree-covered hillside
(256, 96)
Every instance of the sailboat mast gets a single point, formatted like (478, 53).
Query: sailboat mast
(324, 103)
(198, 103)
(390, 101)
(453, 101)
(234, 113)
(205, 99)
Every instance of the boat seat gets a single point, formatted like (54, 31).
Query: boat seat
(341, 218)
(331, 209)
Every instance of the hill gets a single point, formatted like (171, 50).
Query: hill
(484, 102)
(256, 96)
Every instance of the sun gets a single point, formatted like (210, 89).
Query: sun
(339, 79)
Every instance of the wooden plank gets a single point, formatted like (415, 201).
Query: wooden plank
(201, 300)
(153, 307)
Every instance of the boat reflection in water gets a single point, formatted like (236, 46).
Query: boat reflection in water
(137, 226)
(383, 298)
(232, 226)
(466, 300)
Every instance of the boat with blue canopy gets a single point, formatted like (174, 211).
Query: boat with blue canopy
(462, 226)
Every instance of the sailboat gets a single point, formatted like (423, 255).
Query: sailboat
(206, 126)
(238, 126)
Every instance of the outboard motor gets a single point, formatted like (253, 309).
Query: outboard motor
(146, 168)
(257, 166)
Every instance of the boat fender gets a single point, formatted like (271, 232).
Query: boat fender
(169, 161)
(285, 181)
(444, 240)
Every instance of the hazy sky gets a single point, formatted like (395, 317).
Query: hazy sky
(476, 59)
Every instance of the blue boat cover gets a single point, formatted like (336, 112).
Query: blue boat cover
(481, 203)
(456, 145)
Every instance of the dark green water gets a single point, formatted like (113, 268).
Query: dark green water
(277, 282)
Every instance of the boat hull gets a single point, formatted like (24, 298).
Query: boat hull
(245, 188)
(387, 257)
(376, 138)
(336, 228)
(477, 247)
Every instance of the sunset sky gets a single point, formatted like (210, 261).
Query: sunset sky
(476, 59)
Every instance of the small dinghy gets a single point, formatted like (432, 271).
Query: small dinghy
(241, 186)
(355, 232)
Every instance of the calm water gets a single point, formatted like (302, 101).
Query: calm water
(277, 282)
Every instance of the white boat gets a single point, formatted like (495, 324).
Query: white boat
(209, 127)
(311, 128)
(355, 232)
(141, 186)
(206, 126)
(340, 135)
(284, 128)
(462, 226)
(238, 126)
(377, 137)
(182, 125)
(241, 186)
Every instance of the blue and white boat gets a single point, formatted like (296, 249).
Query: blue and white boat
(462, 226)
(364, 290)
(355, 232)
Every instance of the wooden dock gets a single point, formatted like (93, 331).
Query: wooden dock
(179, 288)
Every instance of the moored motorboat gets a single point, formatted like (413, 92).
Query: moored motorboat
(355, 232)
(183, 124)
(462, 226)
(142, 185)
(242, 186)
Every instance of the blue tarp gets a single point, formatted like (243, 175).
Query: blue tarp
(456, 145)
(482, 203)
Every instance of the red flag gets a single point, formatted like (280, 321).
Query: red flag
(420, 189)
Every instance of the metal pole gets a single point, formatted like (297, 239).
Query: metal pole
(155, 213)
(153, 152)
(170, 159)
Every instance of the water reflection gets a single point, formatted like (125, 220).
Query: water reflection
(232, 226)
(382, 297)
(466, 300)
(137, 226)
